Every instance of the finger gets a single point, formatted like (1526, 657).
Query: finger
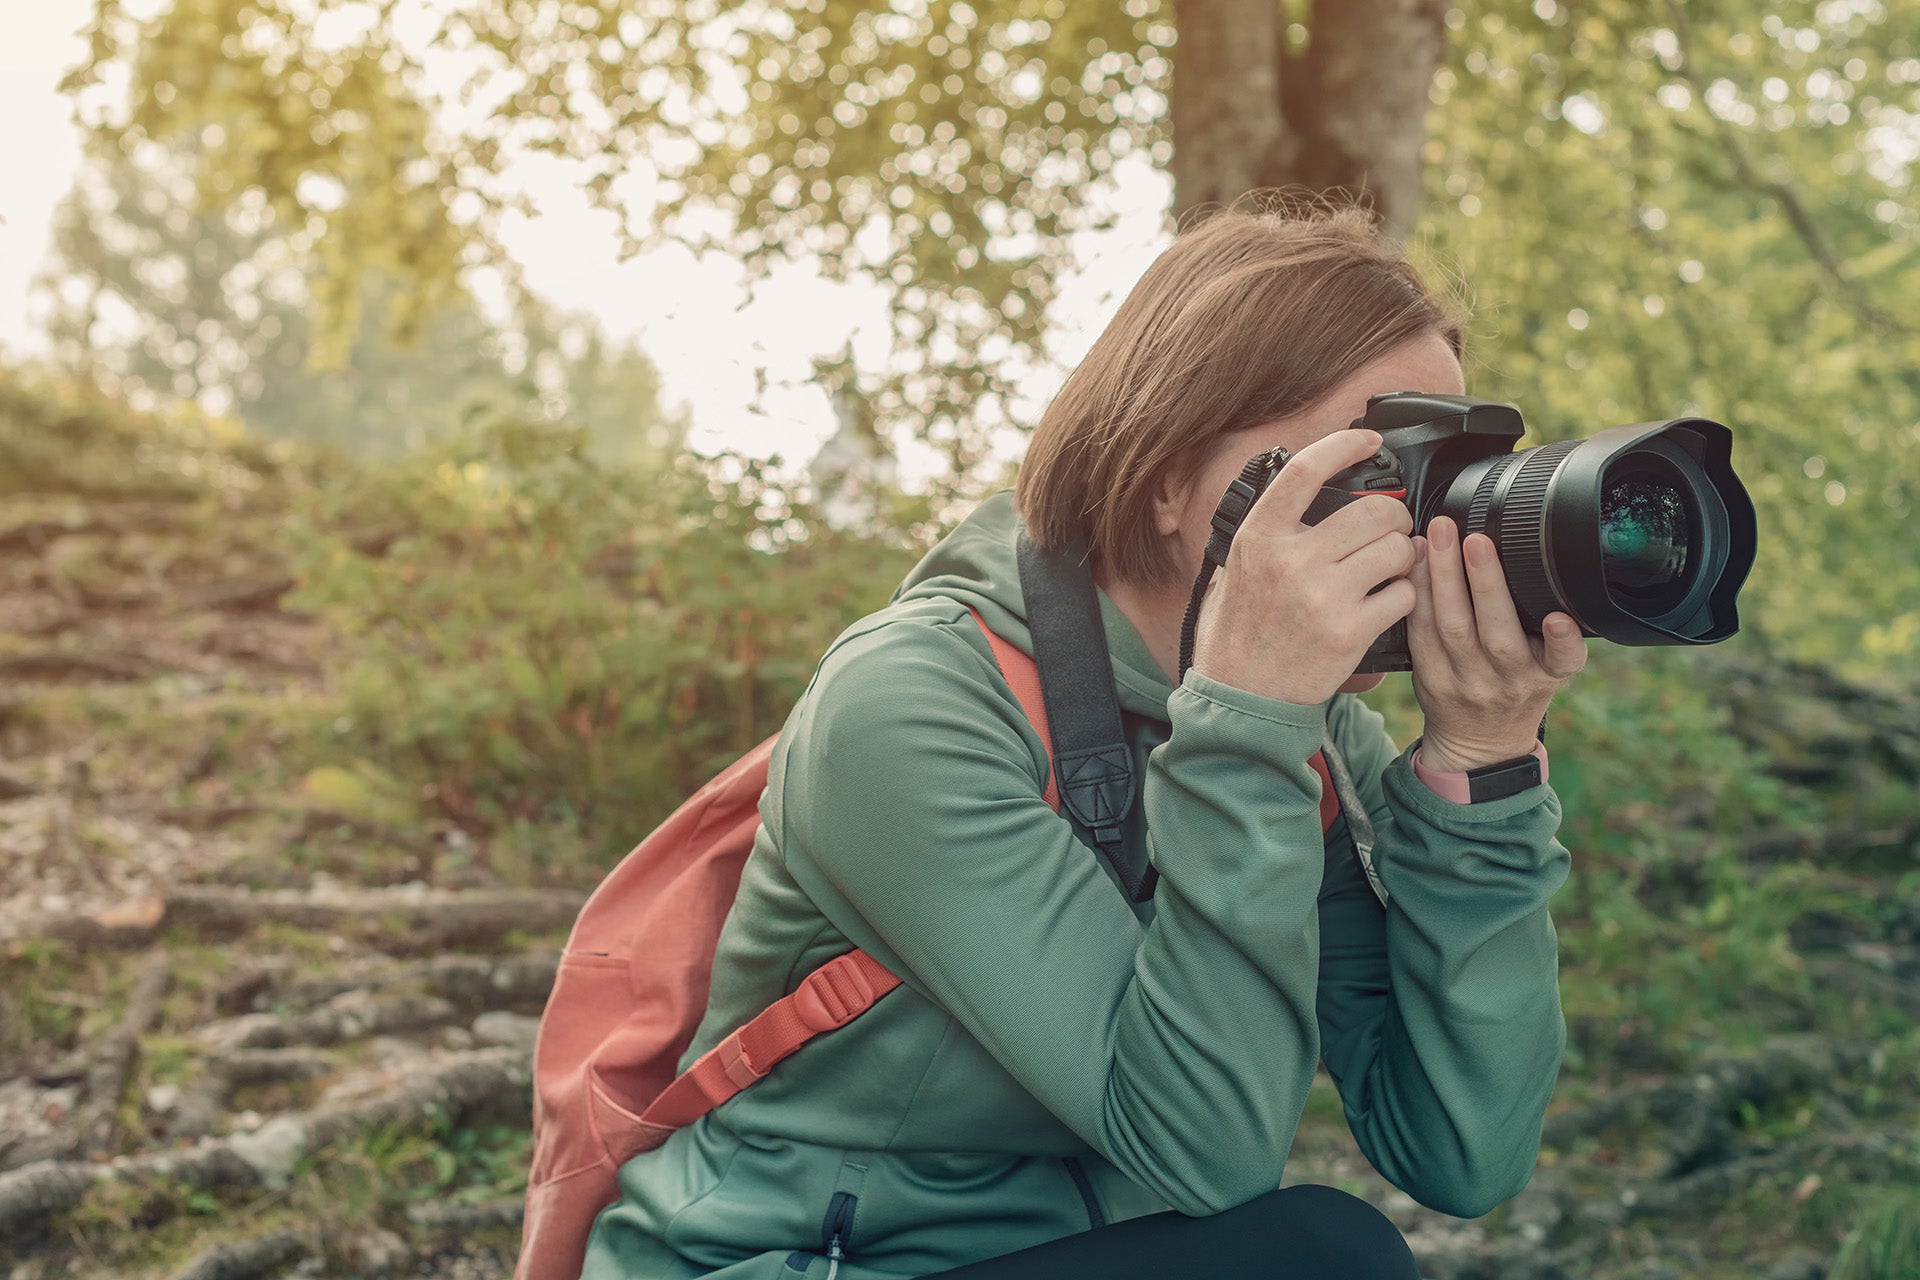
(1389, 556)
(1360, 522)
(1563, 648)
(1420, 621)
(1453, 618)
(1287, 498)
(1493, 613)
(1388, 605)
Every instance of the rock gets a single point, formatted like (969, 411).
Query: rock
(512, 1030)
(381, 1253)
(163, 1098)
(1834, 1113)
(273, 1149)
(1797, 1266)
(1535, 1213)
(396, 1055)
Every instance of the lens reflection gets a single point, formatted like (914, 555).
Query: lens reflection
(1644, 541)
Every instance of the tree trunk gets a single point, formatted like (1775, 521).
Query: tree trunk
(1228, 131)
(1347, 114)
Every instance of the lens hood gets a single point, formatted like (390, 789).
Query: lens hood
(1642, 533)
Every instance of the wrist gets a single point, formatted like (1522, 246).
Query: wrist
(1443, 757)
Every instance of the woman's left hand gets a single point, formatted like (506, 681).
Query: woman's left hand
(1482, 682)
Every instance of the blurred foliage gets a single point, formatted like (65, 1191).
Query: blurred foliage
(1709, 209)
(533, 637)
(1662, 208)
(69, 440)
(155, 294)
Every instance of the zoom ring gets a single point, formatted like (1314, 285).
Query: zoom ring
(1521, 519)
(1483, 492)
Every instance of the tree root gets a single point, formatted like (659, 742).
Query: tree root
(37, 535)
(404, 919)
(473, 984)
(1847, 977)
(458, 1086)
(253, 593)
(272, 1066)
(1717, 1086)
(202, 1104)
(1869, 1157)
(100, 665)
(348, 1017)
(113, 1060)
(508, 1211)
(244, 1259)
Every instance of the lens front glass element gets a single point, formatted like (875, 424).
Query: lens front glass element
(1646, 535)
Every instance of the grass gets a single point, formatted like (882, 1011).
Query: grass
(1885, 1243)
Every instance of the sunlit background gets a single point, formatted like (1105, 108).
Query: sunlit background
(737, 357)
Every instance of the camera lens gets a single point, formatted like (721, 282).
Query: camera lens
(1646, 535)
(1642, 532)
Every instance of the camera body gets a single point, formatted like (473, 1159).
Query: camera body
(1641, 533)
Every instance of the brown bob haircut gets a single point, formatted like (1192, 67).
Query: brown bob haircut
(1251, 315)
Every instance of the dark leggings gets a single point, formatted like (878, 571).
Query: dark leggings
(1298, 1233)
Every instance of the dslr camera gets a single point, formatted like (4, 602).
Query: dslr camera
(1641, 533)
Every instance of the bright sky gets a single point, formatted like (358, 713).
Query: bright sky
(691, 316)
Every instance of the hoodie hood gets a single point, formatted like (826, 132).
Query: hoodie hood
(977, 565)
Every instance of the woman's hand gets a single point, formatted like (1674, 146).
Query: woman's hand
(1482, 682)
(1290, 617)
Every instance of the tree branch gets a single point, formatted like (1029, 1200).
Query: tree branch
(1799, 217)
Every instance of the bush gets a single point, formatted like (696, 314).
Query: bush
(536, 638)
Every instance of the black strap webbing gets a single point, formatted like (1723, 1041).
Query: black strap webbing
(1092, 766)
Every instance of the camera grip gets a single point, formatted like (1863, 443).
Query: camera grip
(1389, 652)
(1327, 501)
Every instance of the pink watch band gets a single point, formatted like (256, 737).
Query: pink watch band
(1451, 784)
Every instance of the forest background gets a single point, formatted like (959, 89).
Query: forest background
(361, 606)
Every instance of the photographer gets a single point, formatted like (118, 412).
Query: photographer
(1069, 1083)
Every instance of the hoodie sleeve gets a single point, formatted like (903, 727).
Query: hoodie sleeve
(1180, 1050)
(1440, 1011)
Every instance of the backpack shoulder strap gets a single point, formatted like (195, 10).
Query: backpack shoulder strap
(831, 996)
(1023, 677)
(1090, 755)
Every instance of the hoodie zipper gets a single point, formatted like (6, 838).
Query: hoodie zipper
(836, 1232)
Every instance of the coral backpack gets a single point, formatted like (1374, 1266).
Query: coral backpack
(633, 981)
(632, 988)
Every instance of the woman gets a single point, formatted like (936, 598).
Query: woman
(1068, 1084)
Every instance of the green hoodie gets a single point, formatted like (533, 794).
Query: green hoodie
(1055, 1058)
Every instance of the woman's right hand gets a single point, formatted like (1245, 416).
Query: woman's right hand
(1290, 615)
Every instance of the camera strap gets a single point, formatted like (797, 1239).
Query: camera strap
(1092, 766)
(1234, 505)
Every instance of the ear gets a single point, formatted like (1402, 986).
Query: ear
(1170, 494)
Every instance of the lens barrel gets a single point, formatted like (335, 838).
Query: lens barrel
(1642, 533)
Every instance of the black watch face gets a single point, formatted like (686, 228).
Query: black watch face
(1498, 781)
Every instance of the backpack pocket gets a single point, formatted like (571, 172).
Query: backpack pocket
(596, 993)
